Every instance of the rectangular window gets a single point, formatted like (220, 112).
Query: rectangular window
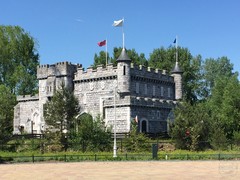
(137, 87)
(162, 89)
(154, 90)
(145, 89)
(124, 70)
(169, 92)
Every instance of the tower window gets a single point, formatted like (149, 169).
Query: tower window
(145, 89)
(124, 70)
(169, 92)
(137, 87)
(154, 90)
(162, 89)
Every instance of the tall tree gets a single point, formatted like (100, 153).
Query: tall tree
(225, 104)
(18, 60)
(191, 127)
(7, 101)
(60, 112)
(101, 59)
(136, 58)
(214, 69)
(91, 134)
(162, 58)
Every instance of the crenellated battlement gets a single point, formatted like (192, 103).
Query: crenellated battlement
(142, 71)
(99, 72)
(28, 98)
(110, 70)
(58, 69)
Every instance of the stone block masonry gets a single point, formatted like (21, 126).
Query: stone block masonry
(143, 92)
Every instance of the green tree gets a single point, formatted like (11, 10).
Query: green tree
(225, 104)
(91, 134)
(136, 58)
(101, 59)
(218, 138)
(18, 60)
(191, 127)
(60, 112)
(162, 58)
(136, 142)
(214, 69)
(7, 101)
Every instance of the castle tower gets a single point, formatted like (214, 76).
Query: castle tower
(50, 79)
(177, 75)
(123, 72)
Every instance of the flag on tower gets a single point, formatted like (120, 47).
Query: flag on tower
(118, 23)
(102, 43)
(175, 40)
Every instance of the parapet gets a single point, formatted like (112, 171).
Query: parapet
(148, 72)
(57, 69)
(99, 72)
(28, 98)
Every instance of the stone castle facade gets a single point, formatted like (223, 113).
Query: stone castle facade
(117, 93)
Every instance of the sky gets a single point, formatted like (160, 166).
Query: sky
(69, 30)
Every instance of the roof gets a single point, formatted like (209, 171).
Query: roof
(123, 56)
(176, 69)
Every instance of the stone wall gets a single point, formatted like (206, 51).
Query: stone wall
(144, 92)
(26, 112)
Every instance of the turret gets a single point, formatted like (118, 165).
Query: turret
(123, 72)
(177, 75)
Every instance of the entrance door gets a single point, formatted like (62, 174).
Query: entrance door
(144, 126)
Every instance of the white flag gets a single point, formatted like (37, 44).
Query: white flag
(118, 23)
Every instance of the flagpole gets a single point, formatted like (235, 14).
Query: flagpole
(106, 53)
(123, 34)
(176, 48)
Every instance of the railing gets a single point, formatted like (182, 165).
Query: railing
(121, 157)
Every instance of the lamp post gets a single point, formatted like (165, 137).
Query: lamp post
(115, 136)
(65, 139)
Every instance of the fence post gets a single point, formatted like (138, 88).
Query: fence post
(154, 151)
(95, 157)
(33, 158)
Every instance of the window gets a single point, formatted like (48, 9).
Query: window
(137, 87)
(124, 70)
(154, 90)
(159, 115)
(145, 89)
(162, 89)
(169, 92)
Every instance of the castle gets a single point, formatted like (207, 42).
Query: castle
(117, 93)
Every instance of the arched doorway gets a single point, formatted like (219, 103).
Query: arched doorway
(35, 123)
(144, 126)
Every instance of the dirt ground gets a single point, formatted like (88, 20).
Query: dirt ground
(140, 170)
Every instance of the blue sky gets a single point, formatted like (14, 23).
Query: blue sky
(68, 30)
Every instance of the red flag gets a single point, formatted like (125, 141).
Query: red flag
(102, 43)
